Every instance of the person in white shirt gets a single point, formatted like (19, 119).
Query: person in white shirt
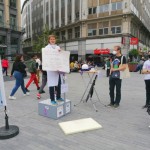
(146, 71)
(38, 63)
(54, 78)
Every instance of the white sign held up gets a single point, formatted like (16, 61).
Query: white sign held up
(53, 60)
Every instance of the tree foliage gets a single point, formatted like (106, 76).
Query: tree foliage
(134, 53)
(42, 39)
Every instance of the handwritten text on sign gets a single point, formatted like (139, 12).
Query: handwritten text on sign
(53, 60)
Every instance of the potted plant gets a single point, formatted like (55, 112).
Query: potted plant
(133, 54)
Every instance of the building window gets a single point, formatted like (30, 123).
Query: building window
(91, 32)
(103, 31)
(12, 3)
(77, 32)
(2, 40)
(104, 8)
(13, 22)
(116, 26)
(69, 33)
(63, 35)
(116, 6)
(92, 10)
(1, 16)
(116, 30)
(103, 28)
(92, 29)
(77, 15)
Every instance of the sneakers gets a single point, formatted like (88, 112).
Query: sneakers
(116, 106)
(54, 102)
(12, 97)
(42, 92)
(145, 106)
(27, 90)
(110, 105)
(60, 99)
(38, 96)
(27, 94)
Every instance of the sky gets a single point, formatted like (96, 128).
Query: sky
(22, 2)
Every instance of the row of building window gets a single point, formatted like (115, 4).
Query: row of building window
(106, 8)
(104, 31)
(12, 18)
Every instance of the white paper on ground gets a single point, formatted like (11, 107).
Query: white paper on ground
(81, 125)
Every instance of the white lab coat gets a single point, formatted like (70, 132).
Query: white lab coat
(53, 76)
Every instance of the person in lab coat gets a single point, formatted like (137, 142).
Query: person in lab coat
(54, 78)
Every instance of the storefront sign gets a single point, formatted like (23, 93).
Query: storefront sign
(134, 41)
(101, 51)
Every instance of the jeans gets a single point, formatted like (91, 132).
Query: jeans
(57, 88)
(5, 69)
(32, 77)
(112, 83)
(19, 82)
(147, 87)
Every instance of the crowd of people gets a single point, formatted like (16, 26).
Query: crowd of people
(114, 66)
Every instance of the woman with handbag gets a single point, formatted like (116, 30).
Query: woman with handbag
(18, 71)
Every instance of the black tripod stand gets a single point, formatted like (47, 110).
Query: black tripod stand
(92, 89)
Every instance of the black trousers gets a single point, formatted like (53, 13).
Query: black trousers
(147, 87)
(107, 72)
(113, 82)
(52, 90)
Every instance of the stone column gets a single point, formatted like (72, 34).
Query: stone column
(8, 42)
(81, 50)
(73, 11)
(59, 13)
(54, 14)
(66, 12)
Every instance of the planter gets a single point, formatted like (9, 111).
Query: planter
(132, 67)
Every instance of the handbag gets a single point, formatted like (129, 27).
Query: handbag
(24, 74)
(115, 74)
(125, 73)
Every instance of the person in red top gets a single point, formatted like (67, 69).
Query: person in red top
(5, 65)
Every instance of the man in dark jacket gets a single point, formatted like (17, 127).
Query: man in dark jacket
(32, 69)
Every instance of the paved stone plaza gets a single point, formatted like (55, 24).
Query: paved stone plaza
(125, 128)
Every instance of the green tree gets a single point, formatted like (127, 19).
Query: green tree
(134, 53)
(42, 39)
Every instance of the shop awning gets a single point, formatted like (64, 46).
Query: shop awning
(102, 51)
(3, 45)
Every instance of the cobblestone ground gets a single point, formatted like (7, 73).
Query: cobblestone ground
(125, 128)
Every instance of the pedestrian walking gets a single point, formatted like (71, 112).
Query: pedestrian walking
(44, 82)
(114, 80)
(38, 63)
(54, 78)
(18, 71)
(32, 68)
(107, 67)
(146, 71)
(5, 65)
